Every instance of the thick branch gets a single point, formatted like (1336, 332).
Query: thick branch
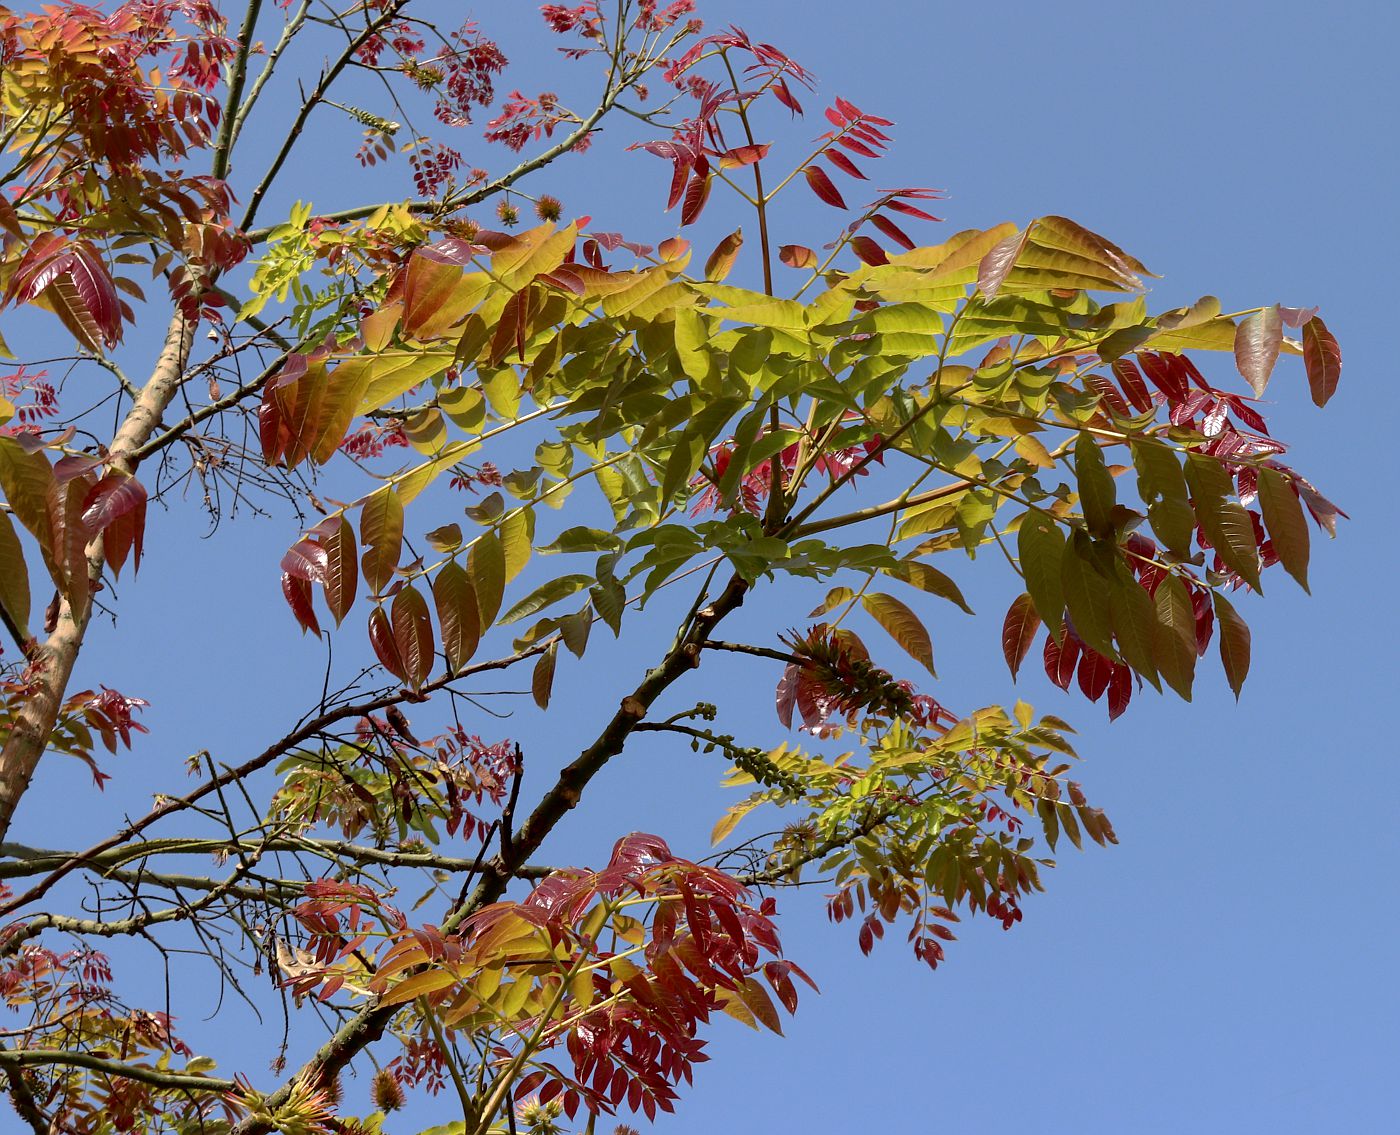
(177, 1081)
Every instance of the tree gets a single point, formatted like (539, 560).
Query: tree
(685, 442)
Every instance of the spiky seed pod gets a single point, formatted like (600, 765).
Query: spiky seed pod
(387, 1092)
(549, 208)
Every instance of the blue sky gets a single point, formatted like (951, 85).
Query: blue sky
(1230, 966)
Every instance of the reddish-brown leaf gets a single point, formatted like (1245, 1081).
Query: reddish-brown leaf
(1130, 379)
(1258, 340)
(892, 230)
(1060, 660)
(342, 570)
(1094, 673)
(413, 634)
(1120, 690)
(844, 164)
(381, 638)
(822, 186)
(457, 614)
(116, 507)
(743, 156)
(1018, 631)
(696, 194)
(1322, 357)
(297, 592)
(721, 260)
(868, 251)
(797, 256)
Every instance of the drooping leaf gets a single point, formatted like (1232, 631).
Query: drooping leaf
(381, 638)
(14, 577)
(413, 634)
(797, 256)
(116, 507)
(1322, 358)
(342, 569)
(823, 187)
(1018, 632)
(1162, 486)
(1041, 547)
(486, 564)
(996, 265)
(1284, 519)
(542, 677)
(1134, 621)
(1174, 637)
(1234, 642)
(297, 592)
(1226, 523)
(381, 533)
(1097, 495)
(1258, 340)
(1086, 594)
(902, 625)
(458, 620)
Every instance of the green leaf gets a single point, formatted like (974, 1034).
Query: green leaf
(14, 576)
(1322, 358)
(458, 619)
(1162, 487)
(1226, 523)
(834, 598)
(381, 532)
(929, 579)
(1283, 517)
(1258, 340)
(546, 594)
(581, 539)
(1086, 594)
(516, 531)
(1234, 642)
(542, 678)
(486, 565)
(1041, 548)
(1174, 637)
(1097, 495)
(1134, 623)
(902, 625)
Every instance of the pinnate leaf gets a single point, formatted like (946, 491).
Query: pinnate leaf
(1284, 519)
(413, 634)
(823, 187)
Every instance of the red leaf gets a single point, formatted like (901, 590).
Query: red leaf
(696, 194)
(1130, 378)
(297, 592)
(868, 251)
(116, 507)
(1120, 690)
(1018, 631)
(381, 637)
(1322, 357)
(743, 156)
(784, 95)
(911, 210)
(823, 188)
(1166, 376)
(844, 164)
(892, 230)
(1094, 673)
(857, 147)
(1060, 660)
(797, 256)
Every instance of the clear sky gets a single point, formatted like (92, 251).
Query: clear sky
(1230, 967)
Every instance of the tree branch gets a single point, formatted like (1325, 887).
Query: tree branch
(176, 1081)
